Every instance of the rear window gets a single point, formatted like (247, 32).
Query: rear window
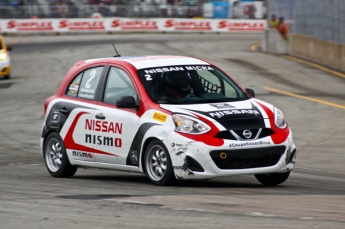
(85, 84)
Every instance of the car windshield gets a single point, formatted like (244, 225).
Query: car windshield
(188, 84)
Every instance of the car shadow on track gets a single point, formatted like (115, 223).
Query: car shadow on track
(138, 179)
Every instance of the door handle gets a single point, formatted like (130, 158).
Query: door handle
(64, 110)
(100, 116)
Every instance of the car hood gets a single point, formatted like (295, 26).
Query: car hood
(220, 111)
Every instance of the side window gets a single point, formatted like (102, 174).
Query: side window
(118, 84)
(89, 83)
(85, 84)
(74, 86)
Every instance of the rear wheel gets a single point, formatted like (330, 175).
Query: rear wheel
(272, 179)
(158, 164)
(56, 159)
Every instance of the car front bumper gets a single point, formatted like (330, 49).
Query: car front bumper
(196, 160)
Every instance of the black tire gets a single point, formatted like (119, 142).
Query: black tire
(7, 76)
(272, 179)
(158, 164)
(56, 158)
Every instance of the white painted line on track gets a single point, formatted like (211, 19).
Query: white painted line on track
(307, 218)
(196, 210)
(262, 214)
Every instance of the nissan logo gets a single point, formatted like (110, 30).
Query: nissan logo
(247, 133)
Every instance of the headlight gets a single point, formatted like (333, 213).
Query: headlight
(279, 119)
(189, 125)
(3, 56)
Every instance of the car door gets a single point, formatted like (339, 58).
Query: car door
(77, 114)
(118, 126)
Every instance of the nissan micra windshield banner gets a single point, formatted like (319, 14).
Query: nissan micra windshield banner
(129, 24)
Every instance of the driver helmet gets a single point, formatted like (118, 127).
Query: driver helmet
(177, 83)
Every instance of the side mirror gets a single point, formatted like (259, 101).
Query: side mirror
(9, 48)
(250, 92)
(126, 102)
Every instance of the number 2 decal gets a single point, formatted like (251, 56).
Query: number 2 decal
(148, 77)
(92, 74)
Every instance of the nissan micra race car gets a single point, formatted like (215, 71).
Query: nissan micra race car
(170, 117)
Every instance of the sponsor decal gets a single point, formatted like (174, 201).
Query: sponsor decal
(106, 127)
(87, 96)
(73, 87)
(188, 25)
(81, 154)
(81, 25)
(103, 140)
(71, 144)
(86, 90)
(103, 126)
(200, 68)
(222, 106)
(167, 69)
(244, 144)
(177, 145)
(220, 114)
(30, 25)
(178, 68)
(241, 25)
(159, 117)
(55, 118)
(135, 24)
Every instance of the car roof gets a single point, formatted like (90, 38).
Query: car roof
(150, 61)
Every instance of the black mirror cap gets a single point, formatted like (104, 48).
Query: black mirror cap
(250, 92)
(126, 102)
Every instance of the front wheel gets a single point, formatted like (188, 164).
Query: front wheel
(158, 163)
(56, 159)
(272, 179)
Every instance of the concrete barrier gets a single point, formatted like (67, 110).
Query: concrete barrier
(327, 53)
(342, 59)
(273, 42)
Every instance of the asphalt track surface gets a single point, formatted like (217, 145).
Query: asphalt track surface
(312, 100)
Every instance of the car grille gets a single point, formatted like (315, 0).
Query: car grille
(247, 158)
(226, 134)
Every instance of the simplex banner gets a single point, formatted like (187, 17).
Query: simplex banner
(65, 25)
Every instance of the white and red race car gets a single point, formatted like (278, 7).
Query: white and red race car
(170, 117)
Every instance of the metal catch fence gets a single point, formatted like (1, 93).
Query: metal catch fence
(321, 19)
